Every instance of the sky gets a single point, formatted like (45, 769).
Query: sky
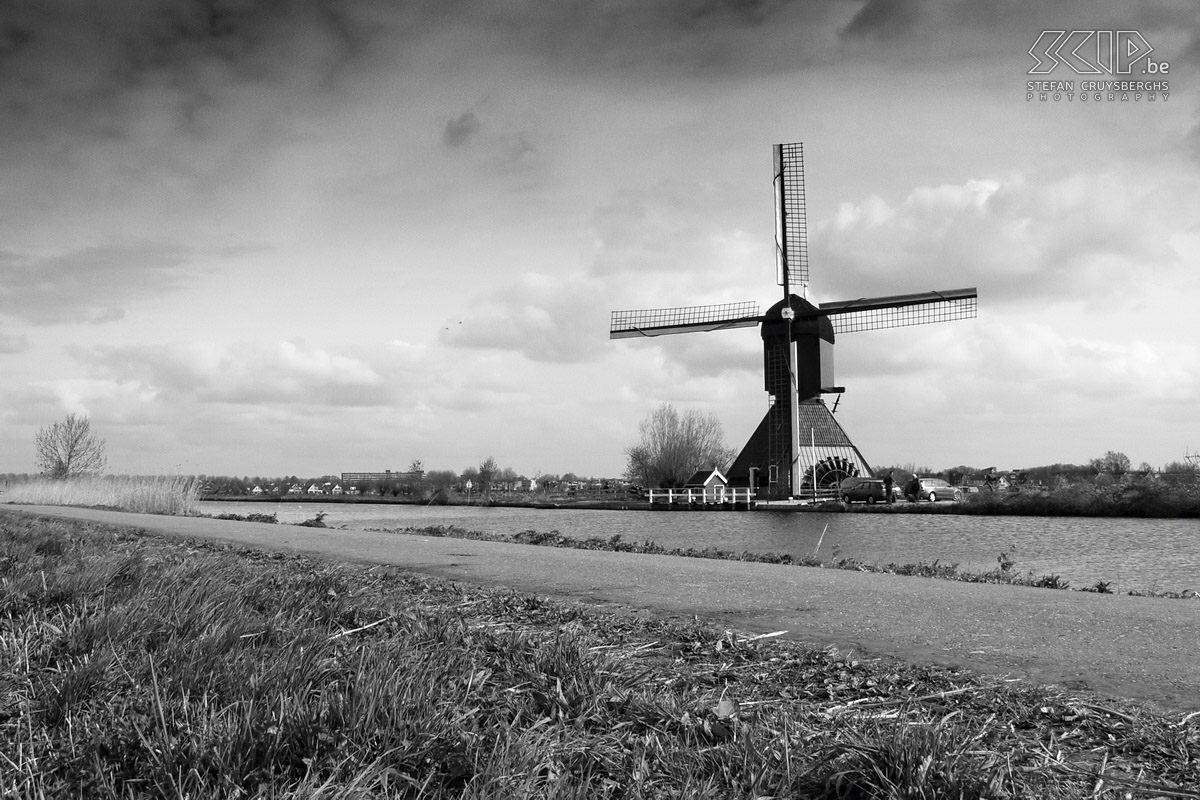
(251, 237)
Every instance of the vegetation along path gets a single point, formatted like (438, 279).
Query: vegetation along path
(1133, 647)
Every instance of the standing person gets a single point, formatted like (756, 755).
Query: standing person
(888, 482)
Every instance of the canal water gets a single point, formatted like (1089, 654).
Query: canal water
(1141, 554)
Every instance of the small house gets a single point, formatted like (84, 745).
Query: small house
(711, 482)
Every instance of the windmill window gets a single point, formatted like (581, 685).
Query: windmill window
(773, 473)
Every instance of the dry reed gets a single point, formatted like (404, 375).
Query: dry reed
(153, 494)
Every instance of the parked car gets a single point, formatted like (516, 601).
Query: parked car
(934, 489)
(862, 490)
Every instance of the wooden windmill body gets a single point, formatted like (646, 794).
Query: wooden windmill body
(799, 449)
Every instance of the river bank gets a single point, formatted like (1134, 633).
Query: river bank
(1005, 571)
(1137, 499)
(1146, 555)
(225, 670)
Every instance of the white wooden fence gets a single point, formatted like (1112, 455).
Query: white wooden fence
(717, 495)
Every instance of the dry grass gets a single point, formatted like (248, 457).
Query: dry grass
(154, 494)
(133, 666)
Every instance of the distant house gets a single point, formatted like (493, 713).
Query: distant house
(256, 490)
(296, 489)
(314, 489)
(336, 489)
(712, 482)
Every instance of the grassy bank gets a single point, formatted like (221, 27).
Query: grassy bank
(130, 665)
(1134, 497)
(154, 494)
(1004, 571)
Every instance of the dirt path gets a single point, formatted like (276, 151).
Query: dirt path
(1114, 645)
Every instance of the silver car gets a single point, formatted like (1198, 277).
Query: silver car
(934, 489)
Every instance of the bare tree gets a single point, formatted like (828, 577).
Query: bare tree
(1113, 463)
(69, 448)
(441, 480)
(488, 472)
(671, 447)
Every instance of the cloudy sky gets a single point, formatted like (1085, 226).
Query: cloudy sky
(308, 237)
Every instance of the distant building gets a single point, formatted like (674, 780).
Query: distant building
(386, 475)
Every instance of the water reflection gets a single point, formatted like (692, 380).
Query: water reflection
(1127, 553)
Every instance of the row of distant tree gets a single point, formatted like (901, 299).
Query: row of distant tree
(486, 478)
(69, 448)
(1112, 464)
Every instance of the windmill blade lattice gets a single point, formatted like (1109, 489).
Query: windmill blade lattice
(898, 311)
(683, 319)
(791, 218)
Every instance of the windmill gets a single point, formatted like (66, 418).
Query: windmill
(798, 449)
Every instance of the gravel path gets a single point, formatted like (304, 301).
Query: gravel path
(1116, 645)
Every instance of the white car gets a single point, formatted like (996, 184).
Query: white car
(934, 489)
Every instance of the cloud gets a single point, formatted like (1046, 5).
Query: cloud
(678, 232)
(662, 248)
(286, 373)
(1081, 236)
(885, 19)
(461, 129)
(1192, 143)
(13, 39)
(12, 343)
(544, 318)
(92, 284)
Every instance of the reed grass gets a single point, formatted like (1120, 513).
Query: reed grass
(133, 666)
(154, 494)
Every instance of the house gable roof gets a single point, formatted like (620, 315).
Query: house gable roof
(705, 477)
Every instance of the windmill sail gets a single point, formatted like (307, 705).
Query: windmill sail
(683, 319)
(897, 311)
(791, 220)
